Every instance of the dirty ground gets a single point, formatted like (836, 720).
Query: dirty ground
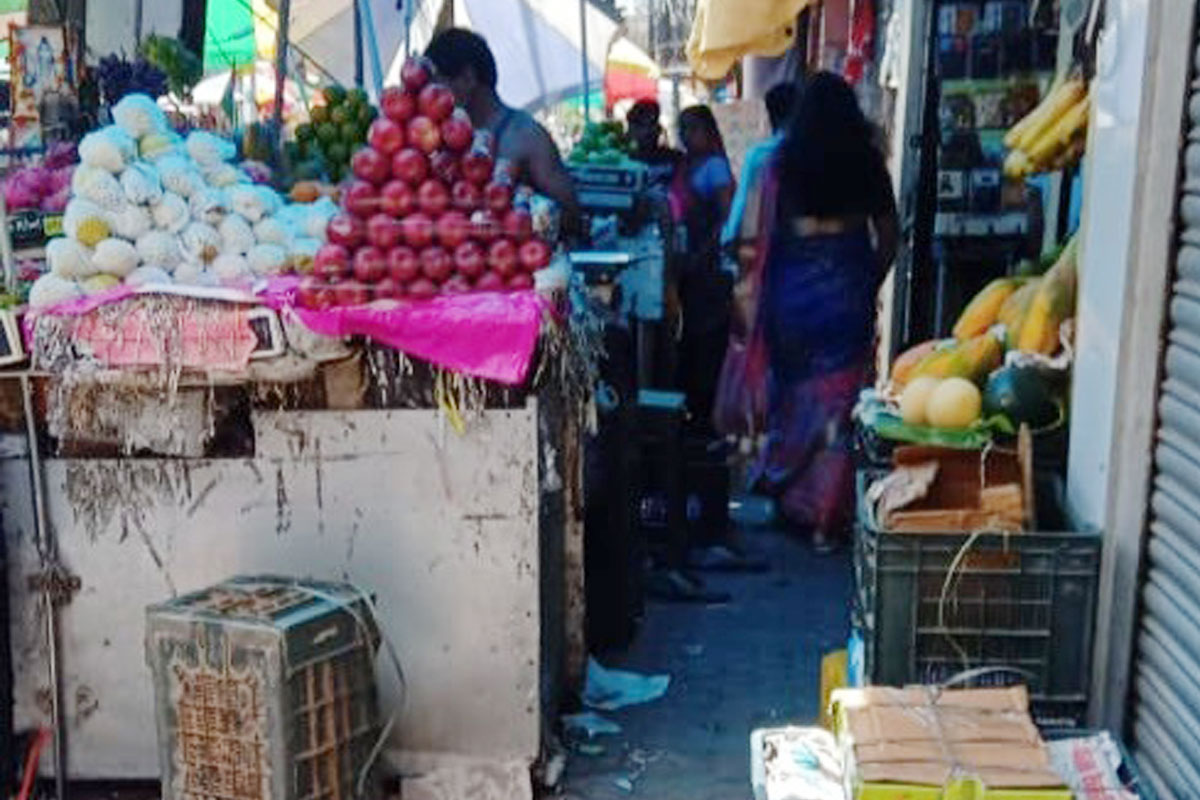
(754, 662)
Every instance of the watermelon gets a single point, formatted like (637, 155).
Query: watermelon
(1024, 395)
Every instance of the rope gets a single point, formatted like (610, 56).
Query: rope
(393, 657)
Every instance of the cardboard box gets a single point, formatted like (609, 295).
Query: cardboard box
(969, 490)
(922, 743)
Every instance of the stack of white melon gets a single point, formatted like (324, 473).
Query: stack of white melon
(150, 207)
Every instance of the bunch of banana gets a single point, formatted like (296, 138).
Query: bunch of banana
(1053, 135)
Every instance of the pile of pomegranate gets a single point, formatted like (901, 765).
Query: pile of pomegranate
(429, 211)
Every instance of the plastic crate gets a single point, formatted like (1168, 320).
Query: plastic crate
(871, 451)
(1023, 601)
(265, 690)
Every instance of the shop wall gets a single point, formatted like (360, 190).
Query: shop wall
(442, 529)
(1109, 186)
(1142, 73)
(111, 23)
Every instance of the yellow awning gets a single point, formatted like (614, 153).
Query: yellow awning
(725, 30)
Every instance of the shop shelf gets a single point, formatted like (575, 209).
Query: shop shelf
(938, 604)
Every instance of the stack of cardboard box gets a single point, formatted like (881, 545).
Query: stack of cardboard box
(924, 743)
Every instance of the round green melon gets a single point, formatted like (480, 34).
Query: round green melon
(1024, 395)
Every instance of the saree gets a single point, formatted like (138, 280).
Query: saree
(815, 324)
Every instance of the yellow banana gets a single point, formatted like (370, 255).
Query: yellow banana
(1058, 136)
(1024, 123)
(1049, 112)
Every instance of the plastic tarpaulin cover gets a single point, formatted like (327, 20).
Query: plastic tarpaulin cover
(725, 30)
(486, 335)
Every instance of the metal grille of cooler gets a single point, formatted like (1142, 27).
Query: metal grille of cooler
(265, 692)
(1025, 601)
(333, 717)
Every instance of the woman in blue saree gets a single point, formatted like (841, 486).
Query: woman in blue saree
(830, 228)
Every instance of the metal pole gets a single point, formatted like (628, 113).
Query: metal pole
(373, 47)
(583, 48)
(281, 56)
(137, 24)
(48, 550)
(358, 45)
(652, 31)
(6, 250)
(408, 21)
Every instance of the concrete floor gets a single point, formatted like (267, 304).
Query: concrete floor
(749, 664)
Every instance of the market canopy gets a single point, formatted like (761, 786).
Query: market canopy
(539, 46)
(631, 74)
(238, 31)
(725, 30)
(228, 34)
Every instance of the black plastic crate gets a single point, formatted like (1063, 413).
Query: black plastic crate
(871, 451)
(1024, 601)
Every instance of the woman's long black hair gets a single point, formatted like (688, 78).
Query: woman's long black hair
(829, 164)
(702, 117)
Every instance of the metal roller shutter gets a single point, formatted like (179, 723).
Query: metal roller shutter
(1166, 681)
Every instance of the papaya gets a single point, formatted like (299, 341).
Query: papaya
(981, 313)
(982, 354)
(907, 361)
(1013, 311)
(972, 359)
(1053, 304)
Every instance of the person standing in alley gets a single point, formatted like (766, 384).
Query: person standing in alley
(779, 102)
(646, 133)
(701, 196)
(829, 235)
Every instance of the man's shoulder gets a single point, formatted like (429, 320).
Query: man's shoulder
(525, 122)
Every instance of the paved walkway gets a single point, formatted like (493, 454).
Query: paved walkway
(752, 663)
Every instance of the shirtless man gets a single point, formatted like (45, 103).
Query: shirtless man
(465, 63)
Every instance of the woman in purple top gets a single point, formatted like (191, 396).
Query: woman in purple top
(701, 195)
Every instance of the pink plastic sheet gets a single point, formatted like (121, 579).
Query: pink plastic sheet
(487, 335)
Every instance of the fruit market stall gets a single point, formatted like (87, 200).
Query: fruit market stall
(990, 564)
(360, 382)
